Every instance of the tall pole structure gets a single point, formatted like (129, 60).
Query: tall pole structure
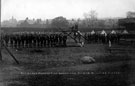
(0, 34)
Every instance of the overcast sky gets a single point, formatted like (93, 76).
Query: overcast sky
(48, 9)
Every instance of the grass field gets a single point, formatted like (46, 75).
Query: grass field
(62, 66)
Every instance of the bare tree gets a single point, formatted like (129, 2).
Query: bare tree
(90, 17)
(130, 14)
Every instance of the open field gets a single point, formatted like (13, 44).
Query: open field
(61, 66)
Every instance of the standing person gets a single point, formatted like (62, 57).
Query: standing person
(30, 40)
(23, 40)
(64, 40)
(79, 36)
(56, 39)
(60, 39)
(76, 27)
(19, 40)
(48, 40)
(27, 39)
(6, 39)
(39, 39)
(42, 40)
(86, 39)
(113, 36)
(15, 40)
(89, 37)
(103, 36)
(110, 45)
(35, 40)
(52, 37)
(92, 36)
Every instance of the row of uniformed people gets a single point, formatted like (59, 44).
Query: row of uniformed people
(28, 39)
(34, 40)
(104, 37)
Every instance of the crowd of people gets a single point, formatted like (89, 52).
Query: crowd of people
(34, 39)
(38, 39)
(115, 37)
(102, 37)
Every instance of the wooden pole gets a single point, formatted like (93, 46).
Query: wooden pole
(0, 34)
(11, 54)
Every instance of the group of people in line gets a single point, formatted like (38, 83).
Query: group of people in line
(34, 39)
(38, 39)
(104, 37)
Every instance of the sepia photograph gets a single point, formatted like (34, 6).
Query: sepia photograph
(67, 42)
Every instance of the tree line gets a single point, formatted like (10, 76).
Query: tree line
(90, 20)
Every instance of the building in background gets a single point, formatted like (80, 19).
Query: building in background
(10, 23)
(129, 22)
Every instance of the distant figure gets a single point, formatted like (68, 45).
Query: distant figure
(82, 44)
(110, 45)
(75, 30)
(103, 36)
(76, 27)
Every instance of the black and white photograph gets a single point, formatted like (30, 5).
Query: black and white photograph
(67, 42)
